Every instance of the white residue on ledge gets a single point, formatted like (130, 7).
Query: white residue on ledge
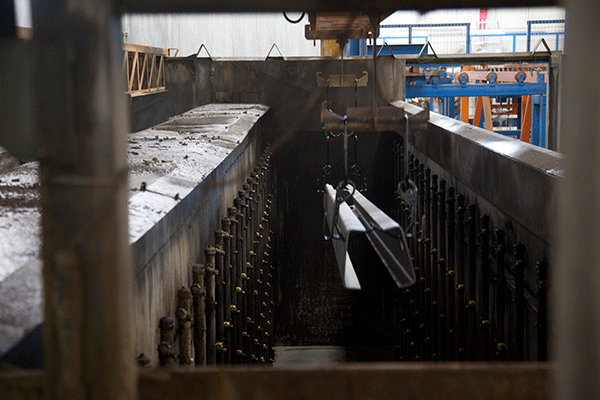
(174, 157)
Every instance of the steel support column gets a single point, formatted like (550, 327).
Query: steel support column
(576, 273)
(82, 123)
(553, 108)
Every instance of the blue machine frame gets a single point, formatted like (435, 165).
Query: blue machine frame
(445, 89)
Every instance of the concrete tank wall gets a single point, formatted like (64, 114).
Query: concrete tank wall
(163, 256)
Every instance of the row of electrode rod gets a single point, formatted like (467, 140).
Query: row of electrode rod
(228, 313)
(458, 307)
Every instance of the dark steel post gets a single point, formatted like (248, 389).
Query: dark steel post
(227, 269)
(519, 272)
(542, 317)
(167, 357)
(232, 215)
(500, 295)
(184, 320)
(220, 296)
(451, 261)
(211, 331)
(484, 300)
(240, 281)
(199, 299)
(442, 271)
(472, 333)
(460, 272)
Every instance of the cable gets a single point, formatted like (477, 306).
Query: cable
(291, 21)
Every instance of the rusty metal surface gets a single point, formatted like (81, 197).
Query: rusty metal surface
(365, 119)
(339, 26)
(348, 382)
(487, 162)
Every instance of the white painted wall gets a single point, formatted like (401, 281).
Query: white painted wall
(225, 35)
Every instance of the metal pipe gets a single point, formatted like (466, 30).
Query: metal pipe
(428, 340)
(199, 297)
(240, 303)
(472, 330)
(211, 331)
(451, 317)
(500, 294)
(442, 270)
(472, 333)
(167, 357)
(434, 258)
(542, 315)
(184, 320)
(519, 272)
(484, 300)
(442, 319)
(460, 272)
(451, 262)
(220, 296)
(227, 270)
(244, 273)
(233, 282)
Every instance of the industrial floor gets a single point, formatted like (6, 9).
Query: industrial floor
(320, 356)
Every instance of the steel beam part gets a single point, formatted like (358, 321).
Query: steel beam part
(364, 119)
(472, 90)
(387, 238)
(344, 226)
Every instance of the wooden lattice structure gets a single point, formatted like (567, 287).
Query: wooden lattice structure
(144, 68)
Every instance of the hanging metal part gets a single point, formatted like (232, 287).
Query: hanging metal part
(387, 238)
(344, 226)
(364, 119)
(407, 189)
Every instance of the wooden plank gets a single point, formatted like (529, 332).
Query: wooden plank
(20, 384)
(152, 69)
(478, 107)
(133, 48)
(131, 76)
(526, 119)
(380, 381)
(464, 109)
(159, 76)
(487, 113)
(143, 71)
